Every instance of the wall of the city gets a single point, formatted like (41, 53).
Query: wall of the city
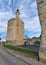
(42, 16)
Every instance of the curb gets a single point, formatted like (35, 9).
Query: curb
(17, 56)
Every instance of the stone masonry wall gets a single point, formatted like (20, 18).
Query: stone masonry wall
(41, 5)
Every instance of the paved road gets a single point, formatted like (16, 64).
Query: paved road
(6, 59)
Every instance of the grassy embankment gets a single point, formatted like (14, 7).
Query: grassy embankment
(21, 50)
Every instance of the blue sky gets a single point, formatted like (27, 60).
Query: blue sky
(28, 13)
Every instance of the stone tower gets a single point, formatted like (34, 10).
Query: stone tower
(41, 4)
(15, 30)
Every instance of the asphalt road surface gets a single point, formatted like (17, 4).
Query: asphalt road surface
(7, 59)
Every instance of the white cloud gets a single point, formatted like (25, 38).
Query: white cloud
(29, 10)
(33, 5)
(28, 13)
(3, 27)
(4, 17)
(33, 25)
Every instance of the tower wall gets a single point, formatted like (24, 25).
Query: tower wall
(41, 4)
(11, 31)
(15, 31)
(19, 34)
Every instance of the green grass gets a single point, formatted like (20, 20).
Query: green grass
(21, 50)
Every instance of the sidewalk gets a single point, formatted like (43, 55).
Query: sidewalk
(24, 57)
